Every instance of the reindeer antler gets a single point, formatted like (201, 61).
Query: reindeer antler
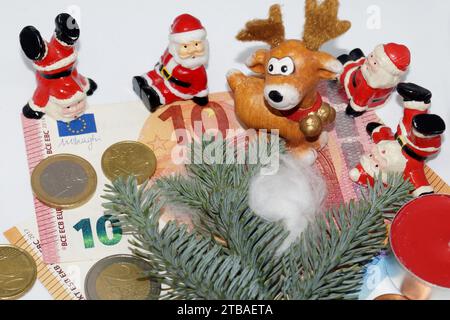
(322, 23)
(270, 31)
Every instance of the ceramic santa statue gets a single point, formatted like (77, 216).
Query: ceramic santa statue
(370, 81)
(61, 91)
(180, 74)
(418, 137)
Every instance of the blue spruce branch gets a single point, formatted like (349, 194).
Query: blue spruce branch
(232, 254)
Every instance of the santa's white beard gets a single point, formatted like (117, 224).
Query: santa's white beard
(190, 63)
(381, 79)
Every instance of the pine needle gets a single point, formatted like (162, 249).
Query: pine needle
(232, 253)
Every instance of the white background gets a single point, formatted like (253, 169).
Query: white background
(120, 39)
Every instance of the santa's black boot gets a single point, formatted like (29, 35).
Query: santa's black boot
(356, 54)
(344, 58)
(32, 43)
(352, 113)
(148, 95)
(372, 126)
(31, 114)
(92, 87)
(151, 99)
(428, 125)
(201, 101)
(413, 92)
(66, 29)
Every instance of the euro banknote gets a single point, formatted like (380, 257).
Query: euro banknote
(85, 234)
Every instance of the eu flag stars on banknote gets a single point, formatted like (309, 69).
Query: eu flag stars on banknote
(82, 125)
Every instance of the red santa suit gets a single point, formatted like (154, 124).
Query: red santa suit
(363, 96)
(175, 78)
(173, 82)
(403, 152)
(59, 85)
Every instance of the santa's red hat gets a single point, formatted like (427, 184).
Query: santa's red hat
(186, 28)
(393, 57)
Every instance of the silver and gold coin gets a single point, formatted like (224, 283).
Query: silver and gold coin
(64, 181)
(120, 277)
(391, 297)
(18, 272)
(129, 158)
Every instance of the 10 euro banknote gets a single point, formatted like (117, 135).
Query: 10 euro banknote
(86, 234)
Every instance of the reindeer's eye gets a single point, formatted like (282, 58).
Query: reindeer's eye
(287, 66)
(273, 66)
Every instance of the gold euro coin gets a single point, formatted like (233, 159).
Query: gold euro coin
(391, 297)
(129, 158)
(120, 277)
(18, 272)
(64, 181)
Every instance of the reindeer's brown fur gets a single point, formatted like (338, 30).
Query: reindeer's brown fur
(311, 66)
(270, 31)
(250, 111)
(322, 23)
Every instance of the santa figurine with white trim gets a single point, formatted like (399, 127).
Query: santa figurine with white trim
(418, 137)
(61, 91)
(370, 81)
(180, 74)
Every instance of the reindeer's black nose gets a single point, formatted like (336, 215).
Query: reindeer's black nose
(275, 96)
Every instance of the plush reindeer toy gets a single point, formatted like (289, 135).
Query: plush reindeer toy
(286, 97)
(61, 91)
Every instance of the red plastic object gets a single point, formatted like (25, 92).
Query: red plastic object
(420, 238)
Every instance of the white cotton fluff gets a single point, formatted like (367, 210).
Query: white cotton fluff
(293, 195)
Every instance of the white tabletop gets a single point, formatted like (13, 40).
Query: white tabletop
(120, 39)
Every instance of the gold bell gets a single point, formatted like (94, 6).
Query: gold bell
(327, 114)
(311, 126)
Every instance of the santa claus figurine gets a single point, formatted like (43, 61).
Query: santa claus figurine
(418, 137)
(61, 91)
(180, 74)
(369, 82)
